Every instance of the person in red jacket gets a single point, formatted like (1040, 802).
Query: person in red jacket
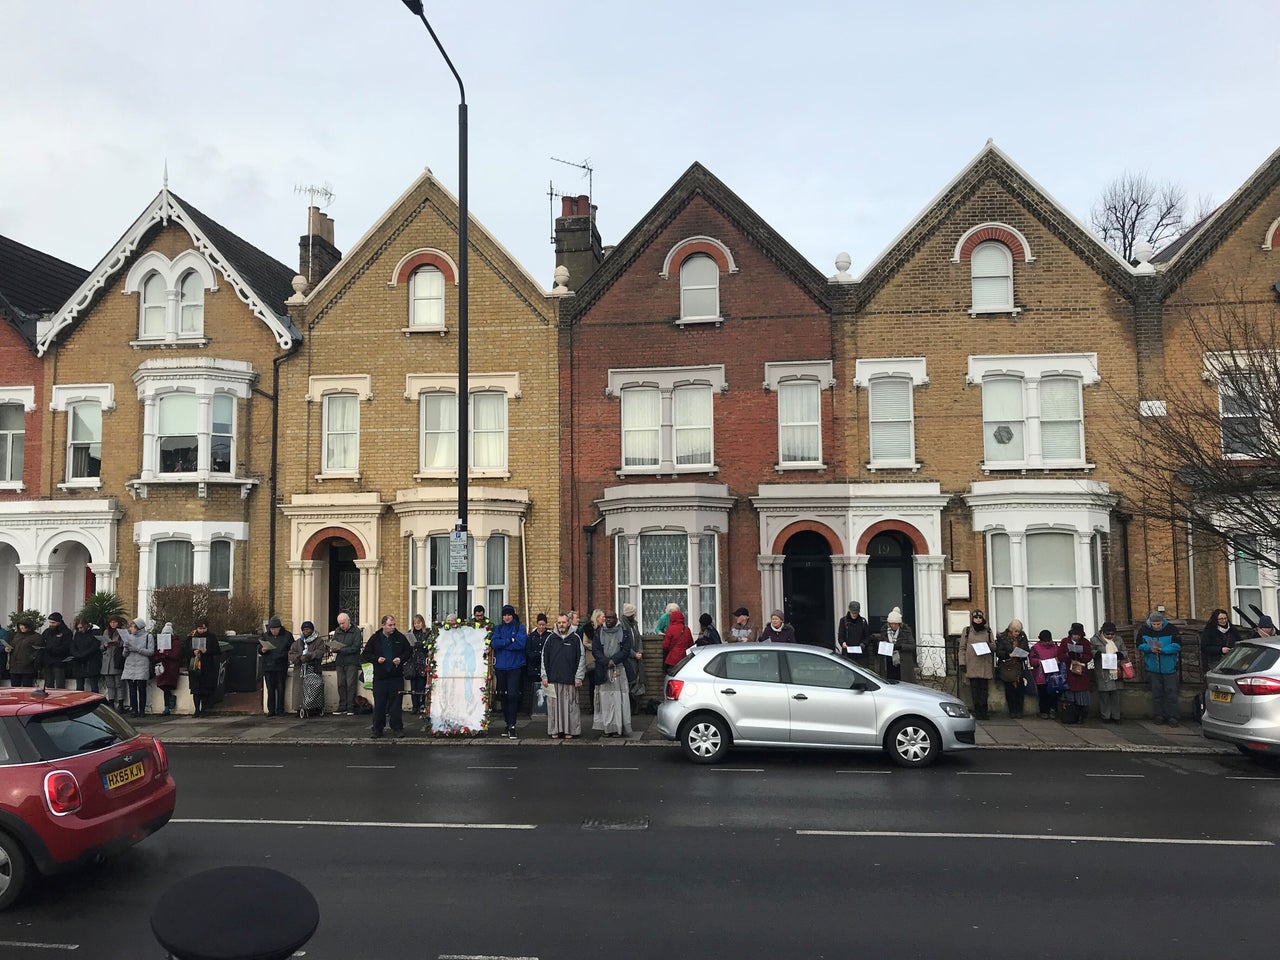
(676, 641)
(1075, 653)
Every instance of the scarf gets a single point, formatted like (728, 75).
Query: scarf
(610, 639)
(1112, 648)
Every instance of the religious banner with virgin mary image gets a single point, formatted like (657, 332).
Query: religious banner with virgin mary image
(459, 679)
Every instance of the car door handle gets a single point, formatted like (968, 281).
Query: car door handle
(728, 690)
(799, 696)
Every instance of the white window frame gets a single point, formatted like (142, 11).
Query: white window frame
(199, 533)
(473, 468)
(648, 429)
(779, 373)
(1226, 385)
(10, 439)
(73, 443)
(630, 588)
(327, 467)
(868, 372)
(1030, 370)
(814, 425)
(156, 547)
(419, 384)
(1007, 305)
(679, 431)
(162, 311)
(421, 303)
(440, 541)
(687, 286)
(666, 380)
(68, 395)
(153, 307)
(193, 308)
(502, 588)
(214, 546)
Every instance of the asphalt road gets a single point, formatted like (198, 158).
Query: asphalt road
(553, 853)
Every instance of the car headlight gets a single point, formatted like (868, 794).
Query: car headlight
(957, 710)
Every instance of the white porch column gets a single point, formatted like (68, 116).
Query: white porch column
(479, 582)
(146, 573)
(931, 651)
(200, 561)
(305, 598)
(841, 584)
(1018, 566)
(423, 546)
(297, 590)
(770, 566)
(37, 591)
(1084, 584)
(695, 581)
(370, 593)
(105, 576)
(858, 580)
(149, 460)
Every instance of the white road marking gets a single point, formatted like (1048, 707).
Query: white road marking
(20, 944)
(613, 768)
(738, 769)
(1176, 841)
(1118, 776)
(371, 766)
(358, 823)
(1269, 779)
(492, 768)
(885, 772)
(258, 766)
(982, 773)
(480, 956)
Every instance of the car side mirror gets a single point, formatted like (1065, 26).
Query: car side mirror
(860, 686)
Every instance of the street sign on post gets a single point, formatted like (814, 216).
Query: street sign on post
(458, 552)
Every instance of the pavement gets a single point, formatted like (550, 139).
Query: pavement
(1131, 736)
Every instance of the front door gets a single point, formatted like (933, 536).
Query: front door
(344, 582)
(890, 579)
(807, 593)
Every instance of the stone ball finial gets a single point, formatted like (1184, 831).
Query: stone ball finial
(562, 280)
(843, 262)
(299, 283)
(1143, 251)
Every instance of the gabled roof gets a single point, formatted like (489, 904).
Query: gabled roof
(1180, 258)
(698, 181)
(1171, 250)
(258, 279)
(425, 191)
(33, 285)
(993, 163)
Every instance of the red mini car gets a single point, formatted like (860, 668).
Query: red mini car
(77, 782)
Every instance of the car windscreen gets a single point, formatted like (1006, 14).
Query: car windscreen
(76, 730)
(1248, 658)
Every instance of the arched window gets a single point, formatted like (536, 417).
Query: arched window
(153, 306)
(191, 304)
(992, 272)
(426, 298)
(699, 287)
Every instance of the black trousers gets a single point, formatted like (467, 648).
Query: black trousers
(388, 703)
(137, 696)
(275, 691)
(1048, 699)
(1014, 693)
(978, 688)
(508, 684)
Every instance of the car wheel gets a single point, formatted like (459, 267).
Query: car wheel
(913, 743)
(705, 739)
(13, 870)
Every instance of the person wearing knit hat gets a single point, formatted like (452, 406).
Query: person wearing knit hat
(900, 662)
(274, 647)
(853, 635)
(777, 631)
(1044, 652)
(139, 648)
(1158, 642)
(976, 659)
(1266, 626)
(1075, 653)
(55, 643)
(1108, 649)
(167, 664)
(305, 654)
(509, 662)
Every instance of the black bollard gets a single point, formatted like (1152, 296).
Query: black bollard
(235, 913)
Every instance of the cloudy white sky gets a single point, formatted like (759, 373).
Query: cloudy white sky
(837, 122)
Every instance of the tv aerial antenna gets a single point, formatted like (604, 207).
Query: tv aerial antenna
(552, 192)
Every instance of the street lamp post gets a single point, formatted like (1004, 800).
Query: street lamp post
(464, 452)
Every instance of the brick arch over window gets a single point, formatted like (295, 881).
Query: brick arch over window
(320, 537)
(801, 526)
(1000, 232)
(686, 248)
(424, 258)
(919, 544)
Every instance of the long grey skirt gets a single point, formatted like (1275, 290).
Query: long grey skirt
(563, 714)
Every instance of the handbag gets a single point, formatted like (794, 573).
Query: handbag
(1010, 670)
(1056, 682)
(1126, 670)
(1076, 667)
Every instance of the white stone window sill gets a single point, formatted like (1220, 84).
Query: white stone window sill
(808, 465)
(12, 485)
(440, 331)
(337, 475)
(695, 321)
(668, 471)
(82, 483)
(1042, 467)
(137, 487)
(994, 311)
(151, 343)
(452, 475)
(911, 465)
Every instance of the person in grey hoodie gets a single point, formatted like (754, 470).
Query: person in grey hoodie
(347, 641)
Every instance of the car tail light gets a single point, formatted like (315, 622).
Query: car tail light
(162, 759)
(673, 689)
(62, 793)
(1258, 686)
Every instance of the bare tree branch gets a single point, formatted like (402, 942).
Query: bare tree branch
(1135, 209)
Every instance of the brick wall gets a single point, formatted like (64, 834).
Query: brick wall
(21, 368)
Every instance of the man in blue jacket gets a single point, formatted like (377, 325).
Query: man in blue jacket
(508, 643)
(1159, 641)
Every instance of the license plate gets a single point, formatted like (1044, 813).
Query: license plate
(1217, 696)
(118, 778)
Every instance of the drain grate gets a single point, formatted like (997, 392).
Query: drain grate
(635, 823)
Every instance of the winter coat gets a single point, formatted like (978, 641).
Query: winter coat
(56, 641)
(633, 628)
(507, 643)
(1042, 650)
(86, 655)
(562, 660)
(854, 632)
(742, 634)
(906, 650)
(533, 642)
(1212, 640)
(204, 679)
(1166, 661)
(783, 634)
(1104, 678)
(416, 668)
(170, 662)
(707, 636)
(1076, 650)
(111, 642)
(622, 656)
(1004, 652)
(399, 650)
(301, 652)
(348, 644)
(277, 660)
(977, 666)
(138, 650)
(22, 658)
(677, 640)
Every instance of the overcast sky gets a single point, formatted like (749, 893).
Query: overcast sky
(836, 122)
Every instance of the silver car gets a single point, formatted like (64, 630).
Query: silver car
(1242, 698)
(790, 695)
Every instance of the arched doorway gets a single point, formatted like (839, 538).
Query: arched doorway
(890, 578)
(73, 581)
(344, 581)
(10, 580)
(806, 587)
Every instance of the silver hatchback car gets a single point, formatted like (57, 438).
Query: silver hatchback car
(1242, 698)
(790, 695)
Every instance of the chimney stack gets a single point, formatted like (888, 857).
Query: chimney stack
(578, 244)
(317, 255)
